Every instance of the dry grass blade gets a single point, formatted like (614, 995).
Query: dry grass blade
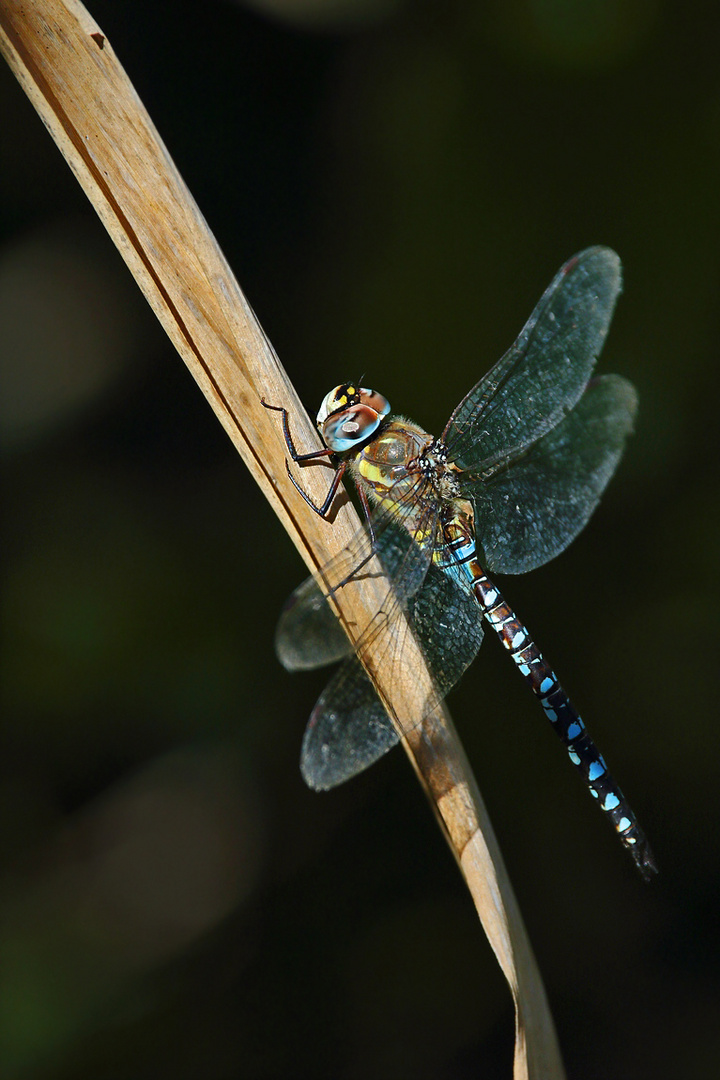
(69, 71)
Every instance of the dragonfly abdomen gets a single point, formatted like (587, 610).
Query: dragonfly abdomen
(563, 716)
(459, 542)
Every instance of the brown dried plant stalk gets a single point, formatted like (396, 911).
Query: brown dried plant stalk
(69, 71)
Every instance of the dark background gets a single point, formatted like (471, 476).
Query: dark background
(394, 184)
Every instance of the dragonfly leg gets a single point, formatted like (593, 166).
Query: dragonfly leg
(365, 502)
(325, 452)
(354, 573)
(313, 455)
(321, 511)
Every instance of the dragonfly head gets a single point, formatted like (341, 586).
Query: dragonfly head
(349, 415)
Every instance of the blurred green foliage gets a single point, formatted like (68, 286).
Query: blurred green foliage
(394, 185)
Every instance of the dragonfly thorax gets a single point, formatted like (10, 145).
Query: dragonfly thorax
(384, 466)
(405, 464)
(433, 465)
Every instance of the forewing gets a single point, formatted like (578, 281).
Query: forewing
(544, 373)
(349, 728)
(528, 513)
(309, 634)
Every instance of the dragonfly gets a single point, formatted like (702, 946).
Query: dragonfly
(515, 476)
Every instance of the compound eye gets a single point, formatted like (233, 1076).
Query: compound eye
(374, 401)
(346, 396)
(344, 430)
(336, 399)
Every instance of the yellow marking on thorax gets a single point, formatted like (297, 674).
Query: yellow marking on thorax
(374, 474)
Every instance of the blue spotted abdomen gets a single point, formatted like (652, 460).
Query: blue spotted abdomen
(458, 557)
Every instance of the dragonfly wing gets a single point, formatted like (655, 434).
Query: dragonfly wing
(530, 512)
(347, 732)
(349, 728)
(309, 634)
(544, 373)
(447, 622)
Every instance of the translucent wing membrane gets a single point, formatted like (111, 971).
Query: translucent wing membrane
(347, 732)
(544, 373)
(529, 512)
(309, 634)
(349, 728)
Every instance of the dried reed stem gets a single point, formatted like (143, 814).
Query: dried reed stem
(69, 71)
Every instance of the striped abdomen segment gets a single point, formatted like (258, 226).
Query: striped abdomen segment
(459, 558)
(563, 716)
